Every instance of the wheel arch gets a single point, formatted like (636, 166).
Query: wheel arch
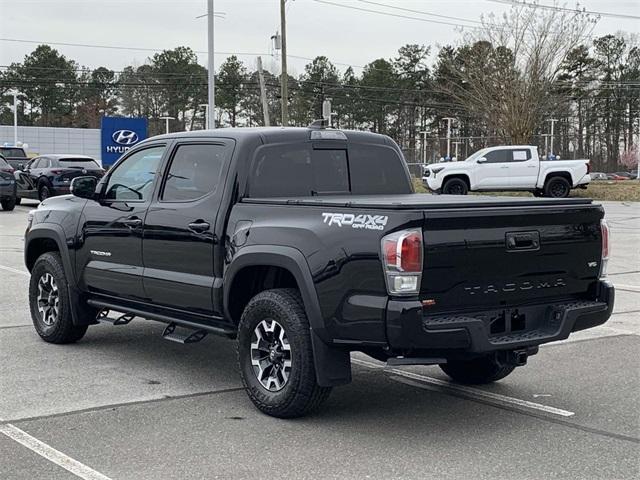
(558, 173)
(49, 237)
(275, 266)
(462, 176)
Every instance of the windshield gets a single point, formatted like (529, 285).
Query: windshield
(78, 163)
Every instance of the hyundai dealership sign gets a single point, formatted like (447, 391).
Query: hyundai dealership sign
(119, 134)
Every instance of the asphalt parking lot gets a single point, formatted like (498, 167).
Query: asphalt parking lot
(125, 404)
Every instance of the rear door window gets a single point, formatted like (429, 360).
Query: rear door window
(194, 171)
(520, 155)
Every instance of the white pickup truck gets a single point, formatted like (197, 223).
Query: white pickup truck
(511, 167)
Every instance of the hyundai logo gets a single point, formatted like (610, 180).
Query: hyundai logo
(125, 137)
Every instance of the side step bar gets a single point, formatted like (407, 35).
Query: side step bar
(103, 317)
(228, 332)
(191, 336)
(400, 361)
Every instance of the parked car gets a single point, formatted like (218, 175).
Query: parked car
(306, 244)
(7, 185)
(15, 156)
(598, 176)
(507, 168)
(627, 175)
(615, 176)
(49, 175)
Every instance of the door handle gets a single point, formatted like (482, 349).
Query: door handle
(506, 166)
(132, 222)
(199, 226)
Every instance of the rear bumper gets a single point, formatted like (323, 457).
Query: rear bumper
(584, 180)
(409, 328)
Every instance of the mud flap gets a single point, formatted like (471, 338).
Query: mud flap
(332, 364)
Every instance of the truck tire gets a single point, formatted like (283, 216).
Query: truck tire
(49, 301)
(8, 204)
(455, 186)
(477, 371)
(275, 358)
(557, 187)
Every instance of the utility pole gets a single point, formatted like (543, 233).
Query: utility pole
(263, 94)
(553, 121)
(283, 75)
(424, 146)
(211, 112)
(449, 120)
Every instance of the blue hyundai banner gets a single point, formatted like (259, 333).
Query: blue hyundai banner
(118, 135)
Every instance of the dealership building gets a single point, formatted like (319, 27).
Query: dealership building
(105, 144)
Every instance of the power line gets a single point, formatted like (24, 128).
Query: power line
(564, 9)
(351, 7)
(421, 12)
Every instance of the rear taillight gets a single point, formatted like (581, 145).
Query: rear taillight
(588, 167)
(402, 261)
(7, 170)
(605, 248)
(57, 172)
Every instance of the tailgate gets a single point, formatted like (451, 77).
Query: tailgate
(495, 257)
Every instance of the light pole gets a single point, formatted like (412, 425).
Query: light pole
(15, 94)
(211, 122)
(166, 120)
(283, 75)
(553, 121)
(449, 120)
(206, 113)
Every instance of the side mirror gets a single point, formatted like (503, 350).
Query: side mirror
(84, 187)
(482, 160)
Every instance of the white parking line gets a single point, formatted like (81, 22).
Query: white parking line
(629, 288)
(78, 469)
(15, 270)
(469, 392)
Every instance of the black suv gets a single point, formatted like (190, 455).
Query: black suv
(7, 185)
(306, 244)
(49, 175)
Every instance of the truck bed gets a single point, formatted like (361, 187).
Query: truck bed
(419, 201)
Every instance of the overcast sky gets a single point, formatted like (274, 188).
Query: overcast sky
(344, 35)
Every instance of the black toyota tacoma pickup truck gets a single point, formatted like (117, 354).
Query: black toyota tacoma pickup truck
(306, 244)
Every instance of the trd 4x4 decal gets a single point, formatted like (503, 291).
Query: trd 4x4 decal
(368, 222)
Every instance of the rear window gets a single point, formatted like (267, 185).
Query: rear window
(13, 152)
(299, 171)
(377, 170)
(87, 163)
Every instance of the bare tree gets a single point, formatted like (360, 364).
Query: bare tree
(505, 71)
